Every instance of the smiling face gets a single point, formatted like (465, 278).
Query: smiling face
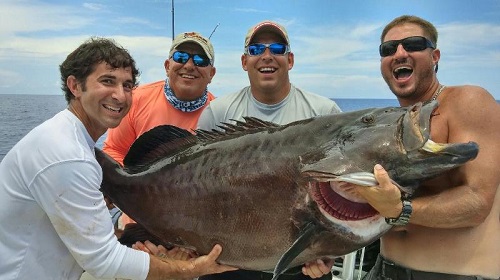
(104, 98)
(409, 75)
(268, 73)
(187, 80)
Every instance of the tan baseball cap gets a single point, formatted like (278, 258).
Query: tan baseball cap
(194, 37)
(268, 26)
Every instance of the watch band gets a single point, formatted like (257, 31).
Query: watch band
(405, 215)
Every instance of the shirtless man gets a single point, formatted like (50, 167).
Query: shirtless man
(454, 226)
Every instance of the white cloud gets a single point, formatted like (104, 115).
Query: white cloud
(94, 6)
(30, 16)
(332, 57)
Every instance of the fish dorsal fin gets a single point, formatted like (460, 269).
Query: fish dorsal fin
(161, 141)
(249, 125)
(302, 242)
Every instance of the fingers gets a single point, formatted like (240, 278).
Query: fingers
(318, 268)
(214, 254)
(381, 175)
(210, 260)
(178, 253)
(141, 247)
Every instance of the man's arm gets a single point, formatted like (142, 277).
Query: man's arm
(464, 196)
(167, 268)
(472, 114)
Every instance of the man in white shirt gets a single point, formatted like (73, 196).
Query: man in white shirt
(54, 221)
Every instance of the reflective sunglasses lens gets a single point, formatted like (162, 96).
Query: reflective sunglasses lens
(256, 49)
(180, 57)
(201, 61)
(198, 60)
(277, 48)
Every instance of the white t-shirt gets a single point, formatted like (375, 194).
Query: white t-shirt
(297, 105)
(54, 223)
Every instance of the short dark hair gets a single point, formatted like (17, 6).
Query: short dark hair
(84, 60)
(429, 30)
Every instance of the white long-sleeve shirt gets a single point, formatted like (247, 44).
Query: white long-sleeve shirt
(54, 223)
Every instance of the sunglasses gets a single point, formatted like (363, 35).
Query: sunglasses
(410, 44)
(199, 60)
(274, 48)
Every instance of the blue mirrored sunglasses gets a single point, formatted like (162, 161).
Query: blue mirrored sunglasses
(274, 48)
(199, 60)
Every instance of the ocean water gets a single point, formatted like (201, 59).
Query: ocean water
(21, 113)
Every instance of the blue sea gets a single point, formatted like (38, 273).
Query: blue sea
(21, 113)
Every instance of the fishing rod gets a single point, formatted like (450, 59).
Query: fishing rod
(173, 24)
(173, 29)
(213, 30)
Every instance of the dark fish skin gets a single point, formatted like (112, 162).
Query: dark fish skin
(259, 187)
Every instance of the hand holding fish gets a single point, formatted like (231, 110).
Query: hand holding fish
(181, 269)
(318, 268)
(176, 253)
(386, 197)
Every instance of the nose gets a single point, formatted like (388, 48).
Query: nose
(189, 63)
(400, 51)
(120, 93)
(267, 53)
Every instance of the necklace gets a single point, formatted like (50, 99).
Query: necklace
(438, 92)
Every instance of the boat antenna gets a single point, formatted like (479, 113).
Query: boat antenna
(213, 30)
(173, 22)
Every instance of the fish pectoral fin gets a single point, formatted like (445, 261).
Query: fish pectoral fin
(135, 232)
(334, 162)
(302, 242)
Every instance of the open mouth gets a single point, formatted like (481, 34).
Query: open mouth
(403, 72)
(341, 206)
(267, 70)
(113, 109)
(186, 76)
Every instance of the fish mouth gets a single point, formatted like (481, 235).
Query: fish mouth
(337, 204)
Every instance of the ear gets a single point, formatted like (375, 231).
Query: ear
(212, 74)
(291, 60)
(244, 62)
(74, 86)
(167, 64)
(436, 55)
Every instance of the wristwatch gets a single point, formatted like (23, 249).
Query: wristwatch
(405, 215)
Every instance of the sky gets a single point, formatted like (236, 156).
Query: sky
(335, 42)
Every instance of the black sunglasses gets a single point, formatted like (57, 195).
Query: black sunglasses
(274, 48)
(199, 60)
(410, 44)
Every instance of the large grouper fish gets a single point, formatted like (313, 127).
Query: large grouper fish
(270, 194)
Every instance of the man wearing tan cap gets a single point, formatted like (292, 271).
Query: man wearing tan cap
(271, 97)
(178, 100)
(267, 58)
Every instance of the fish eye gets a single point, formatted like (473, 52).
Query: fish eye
(368, 119)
